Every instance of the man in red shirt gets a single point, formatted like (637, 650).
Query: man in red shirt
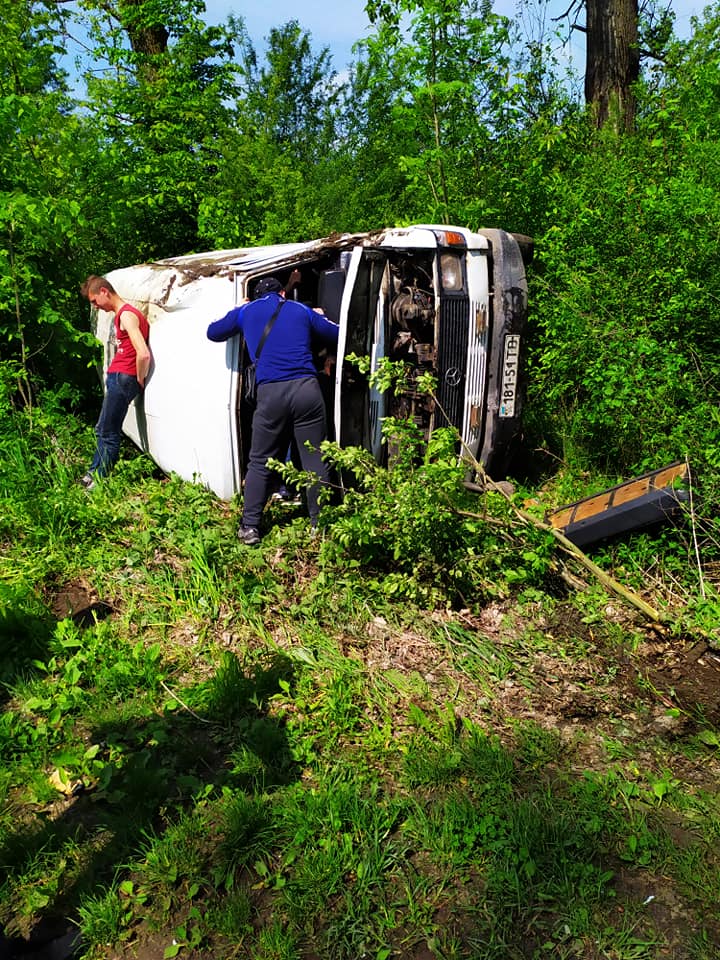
(125, 376)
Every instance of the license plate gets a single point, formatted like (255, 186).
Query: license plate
(511, 363)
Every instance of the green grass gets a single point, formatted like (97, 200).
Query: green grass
(270, 754)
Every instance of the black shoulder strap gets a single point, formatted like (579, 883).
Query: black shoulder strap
(268, 328)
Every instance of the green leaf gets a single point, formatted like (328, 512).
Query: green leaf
(710, 738)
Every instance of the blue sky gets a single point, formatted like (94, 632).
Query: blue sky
(337, 25)
(340, 24)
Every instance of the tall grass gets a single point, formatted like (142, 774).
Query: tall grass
(270, 754)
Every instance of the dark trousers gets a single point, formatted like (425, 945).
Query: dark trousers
(120, 391)
(287, 410)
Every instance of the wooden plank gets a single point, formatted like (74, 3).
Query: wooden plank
(665, 478)
(592, 506)
(561, 518)
(631, 491)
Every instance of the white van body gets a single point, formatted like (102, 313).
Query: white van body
(442, 299)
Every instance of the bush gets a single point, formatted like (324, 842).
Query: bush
(419, 533)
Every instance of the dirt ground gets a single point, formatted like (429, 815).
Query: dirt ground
(663, 674)
(77, 600)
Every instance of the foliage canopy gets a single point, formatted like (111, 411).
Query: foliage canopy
(172, 135)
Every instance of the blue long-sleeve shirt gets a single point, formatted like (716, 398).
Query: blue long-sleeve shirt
(287, 353)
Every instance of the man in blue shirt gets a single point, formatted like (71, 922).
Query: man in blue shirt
(289, 400)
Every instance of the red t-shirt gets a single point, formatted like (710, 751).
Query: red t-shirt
(125, 359)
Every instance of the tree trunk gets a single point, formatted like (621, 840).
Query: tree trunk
(613, 60)
(146, 33)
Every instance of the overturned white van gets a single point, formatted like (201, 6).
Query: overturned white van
(442, 299)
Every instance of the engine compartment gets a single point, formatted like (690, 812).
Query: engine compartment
(412, 336)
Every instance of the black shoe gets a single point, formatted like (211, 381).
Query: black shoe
(250, 536)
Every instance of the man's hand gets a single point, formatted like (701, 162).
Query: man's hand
(293, 280)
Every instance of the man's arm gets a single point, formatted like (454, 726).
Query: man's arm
(226, 327)
(130, 323)
(323, 327)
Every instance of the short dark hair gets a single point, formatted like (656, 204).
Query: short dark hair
(95, 284)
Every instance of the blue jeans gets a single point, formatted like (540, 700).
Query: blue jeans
(120, 391)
